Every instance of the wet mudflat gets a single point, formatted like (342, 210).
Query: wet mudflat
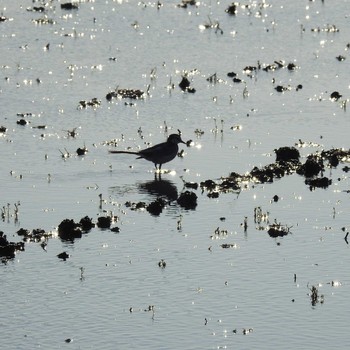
(241, 242)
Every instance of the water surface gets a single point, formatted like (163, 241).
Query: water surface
(111, 293)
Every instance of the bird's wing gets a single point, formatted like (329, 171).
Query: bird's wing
(153, 150)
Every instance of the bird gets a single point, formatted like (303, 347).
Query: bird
(158, 154)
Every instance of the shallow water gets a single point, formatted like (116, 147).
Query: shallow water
(111, 293)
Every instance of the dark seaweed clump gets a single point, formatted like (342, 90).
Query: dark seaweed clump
(187, 200)
(104, 222)
(69, 230)
(35, 236)
(69, 6)
(232, 9)
(157, 206)
(312, 166)
(287, 162)
(134, 94)
(8, 249)
(278, 230)
(94, 102)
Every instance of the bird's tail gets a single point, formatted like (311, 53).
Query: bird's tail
(125, 152)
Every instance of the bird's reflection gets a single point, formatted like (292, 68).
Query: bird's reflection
(160, 188)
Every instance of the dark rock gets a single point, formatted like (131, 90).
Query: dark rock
(287, 154)
(157, 206)
(36, 235)
(341, 58)
(232, 9)
(68, 230)
(333, 161)
(229, 184)
(213, 194)
(104, 222)
(86, 224)
(92, 103)
(8, 249)
(109, 96)
(280, 88)
(228, 245)
(130, 93)
(162, 264)
(208, 184)
(64, 256)
(22, 122)
(312, 166)
(335, 96)
(82, 151)
(69, 6)
(249, 69)
(136, 206)
(277, 230)
(291, 66)
(274, 170)
(193, 185)
(187, 200)
(185, 85)
(125, 93)
(322, 182)
(262, 175)
(23, 232)
(336, 155)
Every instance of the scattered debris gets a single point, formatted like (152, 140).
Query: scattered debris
(315, 296)
(95, 102)
(229, 245)
(162, 264)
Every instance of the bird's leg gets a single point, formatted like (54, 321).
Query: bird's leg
(157, 168)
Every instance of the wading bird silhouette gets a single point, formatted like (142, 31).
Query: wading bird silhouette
(158, 154)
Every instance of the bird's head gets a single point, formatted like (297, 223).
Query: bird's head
(175, 138)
